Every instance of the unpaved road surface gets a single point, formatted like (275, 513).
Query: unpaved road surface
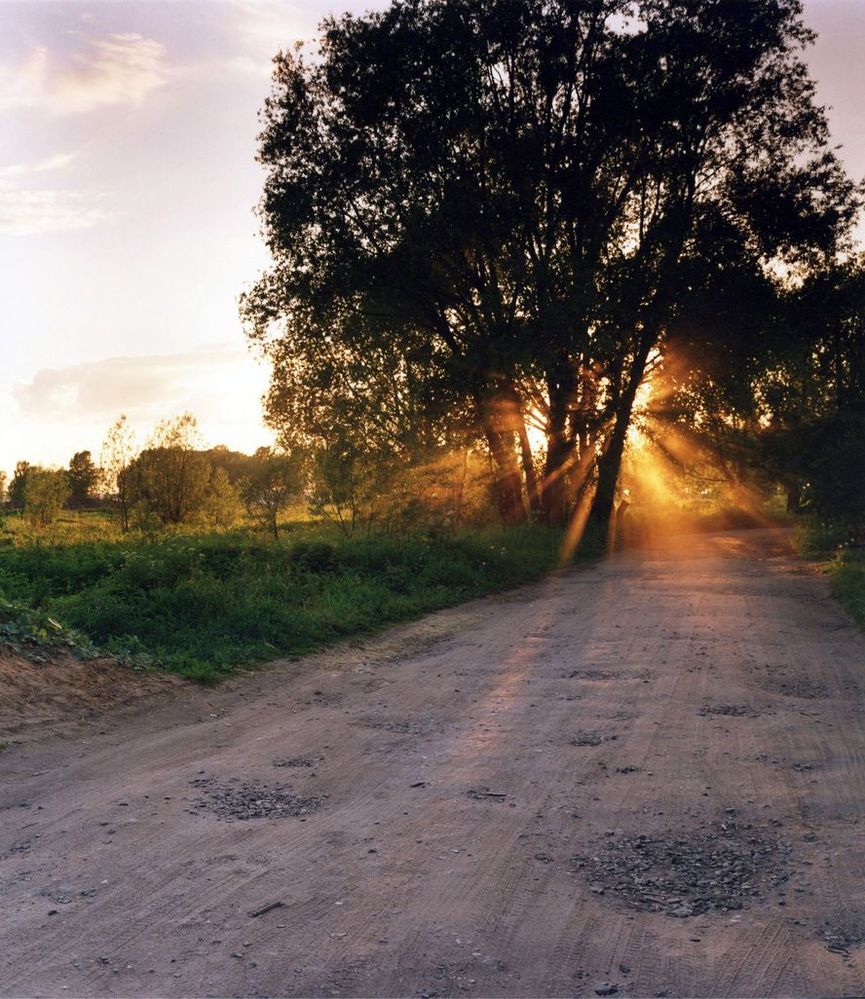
(648, 773)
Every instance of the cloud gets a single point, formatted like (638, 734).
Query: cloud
(29, 213)
(263, 27)
(149, 385)
(62, 410)
(58, 161)
(120, 70)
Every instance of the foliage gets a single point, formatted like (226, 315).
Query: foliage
(18, 485)
(118, 452)
(848, 584)
(272, 481)
(442, 493)
(221, 507)
(84, 478)
(46, 491)
(203, 605)
(840, 545)
(348, 482)
(34, 633)
(170, 477)
(530, 222)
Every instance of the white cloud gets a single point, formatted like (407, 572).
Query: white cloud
(58, 161)
(263, 27)
(121, 70)
(29, 213)
(63, 410)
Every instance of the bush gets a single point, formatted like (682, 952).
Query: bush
(45, 493)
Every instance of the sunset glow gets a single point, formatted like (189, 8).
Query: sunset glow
(127, 183)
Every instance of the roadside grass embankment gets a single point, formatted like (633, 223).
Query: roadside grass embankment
(202, 605)
(841, 549)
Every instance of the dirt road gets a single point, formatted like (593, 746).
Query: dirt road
(648, 775)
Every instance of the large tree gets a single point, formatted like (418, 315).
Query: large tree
(522, 188)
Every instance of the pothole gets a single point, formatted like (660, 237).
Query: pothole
(722, 868)
(243, 800)
(398, 726)
(295, 761)
(730, 711)
(591, 739)
(590, 674)
(802, 687)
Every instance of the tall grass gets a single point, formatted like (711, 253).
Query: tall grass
(204, 604)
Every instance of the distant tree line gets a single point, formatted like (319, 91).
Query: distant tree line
(172, 481)
(490, 222)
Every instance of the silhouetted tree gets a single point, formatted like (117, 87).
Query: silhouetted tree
(18, 485)
(522, 189)
(83, 477)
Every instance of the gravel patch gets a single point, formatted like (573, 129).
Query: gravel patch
(591, 739)
(720, 868)
(808, 689)
(841, 938)
(391, 725)
(730, 711)
(243, 800)
(295, 761)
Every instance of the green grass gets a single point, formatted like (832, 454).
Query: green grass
(203, 604)
(836, 544)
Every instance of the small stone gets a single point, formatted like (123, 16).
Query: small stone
(606, 989)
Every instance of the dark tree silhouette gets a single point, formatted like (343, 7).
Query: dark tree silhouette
(522, 190)
(83, 476)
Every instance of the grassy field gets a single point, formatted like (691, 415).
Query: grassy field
(833, 543)
(203, 604)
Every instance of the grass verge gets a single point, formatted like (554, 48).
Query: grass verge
(837, 544)
(202, 605)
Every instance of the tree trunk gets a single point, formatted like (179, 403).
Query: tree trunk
(498, 429)
(532, 489)
(610, 461)
(508, 485)
(560, 449)
(609, 467)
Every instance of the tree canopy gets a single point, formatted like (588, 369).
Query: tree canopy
(514, 203)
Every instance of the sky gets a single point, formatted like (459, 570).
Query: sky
(127, 187)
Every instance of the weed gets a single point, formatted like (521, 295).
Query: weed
(838, 544)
